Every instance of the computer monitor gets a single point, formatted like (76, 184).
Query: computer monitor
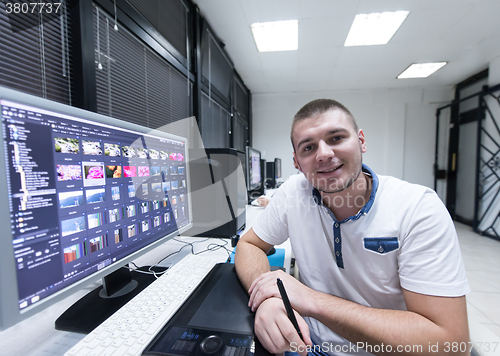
(273, 173)
(81, 195)
(253, 168)
(219, 193)
(277, 167)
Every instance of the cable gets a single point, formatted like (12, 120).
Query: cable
(191, 244)
(210, 247)
(215, 247)
(149, 271)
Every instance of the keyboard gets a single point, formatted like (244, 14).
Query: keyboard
(128, 331)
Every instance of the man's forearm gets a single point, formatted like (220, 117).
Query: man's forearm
(250, 262)
(387, 331)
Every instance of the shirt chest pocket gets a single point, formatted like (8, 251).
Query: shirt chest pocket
(380, 257)
(381, 245)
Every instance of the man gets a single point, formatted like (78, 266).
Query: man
(380, 265)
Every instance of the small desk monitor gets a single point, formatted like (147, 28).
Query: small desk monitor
(277, 167)
(254, 177)
(81, 195)
(273, 173)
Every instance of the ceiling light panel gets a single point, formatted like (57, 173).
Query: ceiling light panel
(421, 70)
(374, 29)
(276, 36)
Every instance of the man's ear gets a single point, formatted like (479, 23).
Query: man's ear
(295, 163)
(362, 141)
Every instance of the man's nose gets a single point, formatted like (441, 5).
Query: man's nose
(325, 152)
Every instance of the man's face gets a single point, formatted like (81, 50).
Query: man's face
(328, 150)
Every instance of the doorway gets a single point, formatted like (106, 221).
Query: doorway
(463, 149)
(467, 159)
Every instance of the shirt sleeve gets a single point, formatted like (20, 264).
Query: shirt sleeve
(272, 225)
(430, 260)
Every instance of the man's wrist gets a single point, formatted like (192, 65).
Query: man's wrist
(315, 306)
(267, 299)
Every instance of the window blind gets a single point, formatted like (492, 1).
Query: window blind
(240, 99)
(34, 55)
(169, 17)
(216, 69)
(134, 83)
(240, 134)
(214, 123)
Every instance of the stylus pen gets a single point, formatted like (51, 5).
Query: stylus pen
(288, 307)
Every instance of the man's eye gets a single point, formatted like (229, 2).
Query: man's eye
(307, 148)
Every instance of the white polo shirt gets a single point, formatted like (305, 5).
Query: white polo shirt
(403, 237)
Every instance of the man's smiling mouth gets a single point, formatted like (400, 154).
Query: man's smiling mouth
(331, 170)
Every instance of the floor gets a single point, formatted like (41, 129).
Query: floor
(481, 256)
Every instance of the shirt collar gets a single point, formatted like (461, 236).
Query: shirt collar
(366, 208)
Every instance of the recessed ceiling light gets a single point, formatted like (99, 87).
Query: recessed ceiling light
(374, 29)
(421, 70)
(276, 36)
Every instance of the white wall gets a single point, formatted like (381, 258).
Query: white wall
(494, 72)
(399, 126)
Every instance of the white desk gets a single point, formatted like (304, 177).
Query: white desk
(36, 336)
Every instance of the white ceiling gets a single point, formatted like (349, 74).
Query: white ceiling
(465, 33)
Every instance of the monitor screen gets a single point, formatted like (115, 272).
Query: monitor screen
(82, 195)
(253, 168)
(277, 167)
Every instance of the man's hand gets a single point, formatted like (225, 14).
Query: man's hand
(276, 332)
(264, 287)
(272, 326)
(263, 201)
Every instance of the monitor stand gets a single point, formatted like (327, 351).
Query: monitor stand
(118, 288)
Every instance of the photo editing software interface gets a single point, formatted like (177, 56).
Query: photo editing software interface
(83, 195)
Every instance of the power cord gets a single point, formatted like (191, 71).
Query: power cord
(150, 270)
(210, 247)
(215, 247)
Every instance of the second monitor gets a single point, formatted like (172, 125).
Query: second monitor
(253, 173)
(273, 174)
(218, 193)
